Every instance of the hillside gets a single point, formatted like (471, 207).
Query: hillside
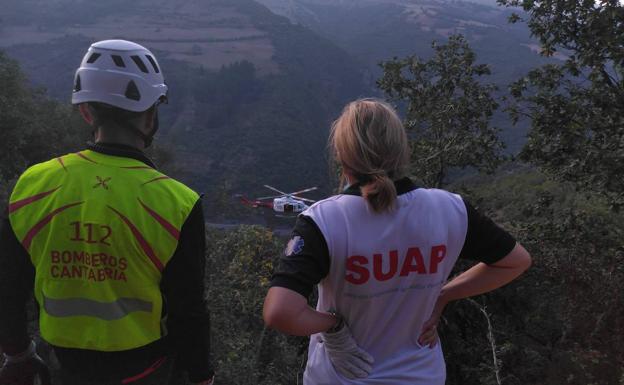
(376, 30)
(252, 95)
(210, 35)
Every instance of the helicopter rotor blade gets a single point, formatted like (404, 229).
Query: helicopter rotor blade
(305, 199)
(304, 191)
(274, 189)
(272, 197)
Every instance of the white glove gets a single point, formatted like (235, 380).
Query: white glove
(348, 359)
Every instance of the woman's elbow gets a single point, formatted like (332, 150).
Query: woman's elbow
(271, 316)
(518, 260)
(512, 266)
(282, 308)
(276, 311)
(523, 259)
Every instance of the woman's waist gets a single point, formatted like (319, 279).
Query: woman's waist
(395, 364)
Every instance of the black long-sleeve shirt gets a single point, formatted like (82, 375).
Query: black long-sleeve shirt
(182, 286)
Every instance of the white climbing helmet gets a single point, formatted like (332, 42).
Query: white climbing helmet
(119, 73)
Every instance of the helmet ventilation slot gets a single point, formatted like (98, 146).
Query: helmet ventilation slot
(78, 84)
(137, 60)
(132, 92)
(153, 62)
(93, 57)
(118, 61)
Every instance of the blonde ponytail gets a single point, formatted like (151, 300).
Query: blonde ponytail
(380, 193)
(370, 144)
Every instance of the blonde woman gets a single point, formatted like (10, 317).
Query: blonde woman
(381, 253)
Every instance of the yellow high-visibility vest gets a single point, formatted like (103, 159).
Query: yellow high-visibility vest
(99, 230)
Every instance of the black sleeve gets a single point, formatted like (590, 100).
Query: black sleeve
(183, 285)
(17, 278)
(305, 261)
(485, 241)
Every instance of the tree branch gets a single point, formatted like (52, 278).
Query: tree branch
(490, 336)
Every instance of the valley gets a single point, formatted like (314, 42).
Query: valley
(253, 93)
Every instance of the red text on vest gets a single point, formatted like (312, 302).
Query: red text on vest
(358, 270)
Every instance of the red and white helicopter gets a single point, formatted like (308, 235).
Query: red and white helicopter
(284, 203)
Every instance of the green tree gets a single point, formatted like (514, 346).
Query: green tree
(448, 110)
(557, 324)
(240, 263)
(32, 129)
(33, 126)
(576, 109)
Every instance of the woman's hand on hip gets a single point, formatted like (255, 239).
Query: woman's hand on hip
(429, 333)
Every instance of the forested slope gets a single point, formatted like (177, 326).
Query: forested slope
(377, 30)
(252, 96)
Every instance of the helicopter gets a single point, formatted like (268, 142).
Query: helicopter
(284, 203)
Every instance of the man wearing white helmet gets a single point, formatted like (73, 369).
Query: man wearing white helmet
(113, 250)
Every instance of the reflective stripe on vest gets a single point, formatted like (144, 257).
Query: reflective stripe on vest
(99, 230)
(109, 311)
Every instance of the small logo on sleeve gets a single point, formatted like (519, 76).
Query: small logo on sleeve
(295, 246)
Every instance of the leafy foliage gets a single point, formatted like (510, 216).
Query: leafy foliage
(33, 126)
(576, 109)
(240, 265)
(556, 325)
(448, 110)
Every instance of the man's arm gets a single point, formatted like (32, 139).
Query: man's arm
(17, 277)
(183, 287)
